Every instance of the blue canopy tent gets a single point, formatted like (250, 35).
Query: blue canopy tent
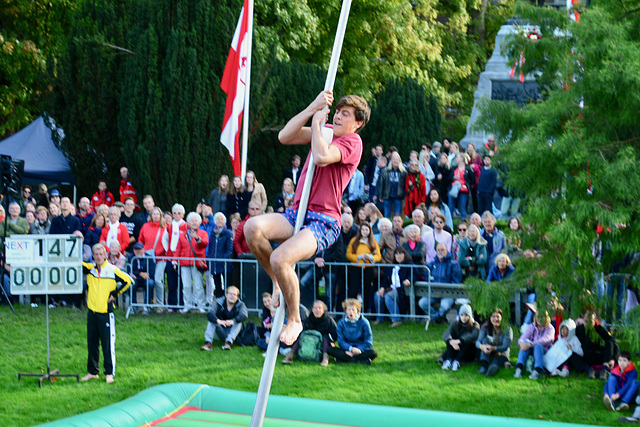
(43, 160)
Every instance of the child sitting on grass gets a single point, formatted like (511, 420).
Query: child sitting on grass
(557, 359)
(354, 336)
(622, 385)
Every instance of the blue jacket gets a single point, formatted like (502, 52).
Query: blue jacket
(210, 225)
(143, 265)
(488, 180)
(625, 379)
(495, 275)
(499, 244)
(445, 271)
(221, 247)
(357, 334)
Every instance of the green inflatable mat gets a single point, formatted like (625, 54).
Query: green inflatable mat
(199, 405)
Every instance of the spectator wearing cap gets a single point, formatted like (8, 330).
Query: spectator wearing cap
(54, 197)
(142, 269)
(102, 196)
(120, 206)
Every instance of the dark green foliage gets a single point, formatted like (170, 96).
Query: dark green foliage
(403, 115)
(32, 36)
(91, 76)
(280, 90)
(577, 166)
(171, 105)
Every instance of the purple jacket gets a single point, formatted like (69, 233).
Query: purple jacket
(542, 335)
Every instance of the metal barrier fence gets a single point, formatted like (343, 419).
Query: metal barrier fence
(330, 282)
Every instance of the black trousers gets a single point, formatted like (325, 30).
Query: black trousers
(175, 296)
(341, 354)
(467, 353)
(101, 329)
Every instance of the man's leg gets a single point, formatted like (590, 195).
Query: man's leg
(299, 247)
(259, 231)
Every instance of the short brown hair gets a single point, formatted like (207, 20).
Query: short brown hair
(363, 112)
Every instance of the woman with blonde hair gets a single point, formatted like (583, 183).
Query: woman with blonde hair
(255, 190)
(287, 189)
(151, 237)
(473, 254)
(502, 269)
(537, 339)
(362, 249)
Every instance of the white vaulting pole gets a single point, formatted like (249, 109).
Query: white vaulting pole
(274, 341)
(247, 90)
(328, 85)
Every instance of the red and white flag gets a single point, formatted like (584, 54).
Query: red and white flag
(234, 84)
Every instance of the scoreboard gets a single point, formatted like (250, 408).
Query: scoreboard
(45, 264)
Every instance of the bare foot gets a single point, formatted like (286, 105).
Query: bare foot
(109, 378)
(291, 332)
(275, 296)
(89, 377)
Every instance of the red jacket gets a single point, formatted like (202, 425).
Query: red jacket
(102, 198)
(147, 237)
(127, 190)
(184, 248)
(240, 242)
(166, 237)
(123, 236)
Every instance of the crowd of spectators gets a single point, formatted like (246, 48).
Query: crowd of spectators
(398, 225)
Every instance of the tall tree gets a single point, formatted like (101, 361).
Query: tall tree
(575, 153)
(32, 35)
(405, 116)
(88, 93)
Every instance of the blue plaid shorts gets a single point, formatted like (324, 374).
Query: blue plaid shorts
(324, 228)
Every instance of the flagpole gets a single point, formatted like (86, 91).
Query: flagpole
(245, 118)
(274, 342)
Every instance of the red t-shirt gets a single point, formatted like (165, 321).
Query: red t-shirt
(330, 181)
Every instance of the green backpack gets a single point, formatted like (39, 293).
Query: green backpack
(310, 349)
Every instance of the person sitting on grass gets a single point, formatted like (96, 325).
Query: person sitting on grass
(494, 343)
(460, 339)
(354, 336)
(225, 321)
(557, 359)
(622, 385)
(636, 414)
(537, 339)
(318, 320)
(599, 345)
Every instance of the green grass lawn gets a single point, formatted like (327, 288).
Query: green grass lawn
(159, 349)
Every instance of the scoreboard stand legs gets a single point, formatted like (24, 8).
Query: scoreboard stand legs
(50, 374)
